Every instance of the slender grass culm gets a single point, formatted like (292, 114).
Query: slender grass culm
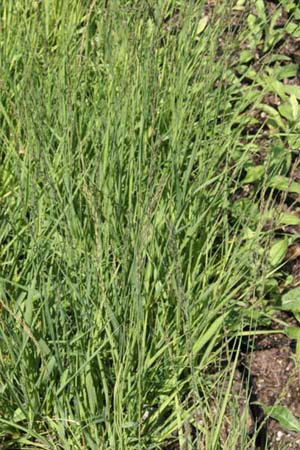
(125, 275)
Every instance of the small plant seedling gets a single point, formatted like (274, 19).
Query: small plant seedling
(291, 302)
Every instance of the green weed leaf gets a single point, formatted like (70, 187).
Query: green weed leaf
(19, 415)
(293, 29)
(289, 219)
(284, 416)
(294, 333)
(273, 114)
(279, 160)
(202, 25)
(245, 56)
(261, 9)
(295, 107)
(278, 252)
(290, 109)
(284, 184)
(291, 300)
(254, 173)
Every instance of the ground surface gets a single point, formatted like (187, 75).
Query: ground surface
(275, 379)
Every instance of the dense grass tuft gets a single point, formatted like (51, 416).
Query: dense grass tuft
(126, 272)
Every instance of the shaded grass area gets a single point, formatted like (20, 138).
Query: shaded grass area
(128, 272)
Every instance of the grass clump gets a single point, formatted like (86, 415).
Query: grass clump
(125, 269)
